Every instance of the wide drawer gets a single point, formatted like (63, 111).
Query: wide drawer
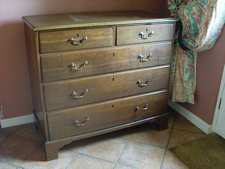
(94, 117)
(98, 61)
(72, 39)
(65, 94)
(145, 33)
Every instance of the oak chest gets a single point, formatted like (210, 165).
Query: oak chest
(94, 73)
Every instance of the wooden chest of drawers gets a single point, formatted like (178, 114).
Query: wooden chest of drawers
(95, 73)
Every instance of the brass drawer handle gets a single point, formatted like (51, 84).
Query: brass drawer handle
(141, 83)
(75, 67)
(146, 35)
(75, 95)
(142, 58)
(137, 108)
(151, 33)
(82, 123)
(143, 35)
(76, 41)
(145, 108)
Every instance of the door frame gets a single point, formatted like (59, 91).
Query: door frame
(218, 104)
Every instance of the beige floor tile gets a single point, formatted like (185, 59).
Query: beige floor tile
(83, 162)
(108, 149)
(152, 137)
(138, 154)
(181, 123)
(179, 137)
(172, 162)
(142, 156)
(119, 166)
(4, 165)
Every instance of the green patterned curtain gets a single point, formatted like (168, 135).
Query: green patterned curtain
(200, 23)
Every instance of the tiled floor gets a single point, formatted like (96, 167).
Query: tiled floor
(136, 148)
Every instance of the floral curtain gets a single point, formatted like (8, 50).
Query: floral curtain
(199, 22)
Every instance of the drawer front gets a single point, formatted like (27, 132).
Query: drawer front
(65, 94)
(93, 62)
(145, 33)
(72, 39)
(94, 117)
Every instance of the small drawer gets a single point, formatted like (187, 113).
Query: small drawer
(145, 33)
(93, 62)
(81, 120)
(72, 39)
(65, 94)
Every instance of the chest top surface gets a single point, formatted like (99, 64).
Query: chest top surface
(73, 20)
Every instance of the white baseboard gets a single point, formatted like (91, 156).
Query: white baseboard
(201, 124)
(16, 121)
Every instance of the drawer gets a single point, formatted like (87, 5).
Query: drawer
(65, 94)
(98, 61)
(145, 33)
(72, 39)
(94, 117)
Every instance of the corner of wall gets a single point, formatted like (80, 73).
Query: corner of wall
(201, 124)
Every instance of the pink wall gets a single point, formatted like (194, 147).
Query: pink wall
(14, 80)
(209, 72)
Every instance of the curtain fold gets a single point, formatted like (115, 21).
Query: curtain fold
(201, 22)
